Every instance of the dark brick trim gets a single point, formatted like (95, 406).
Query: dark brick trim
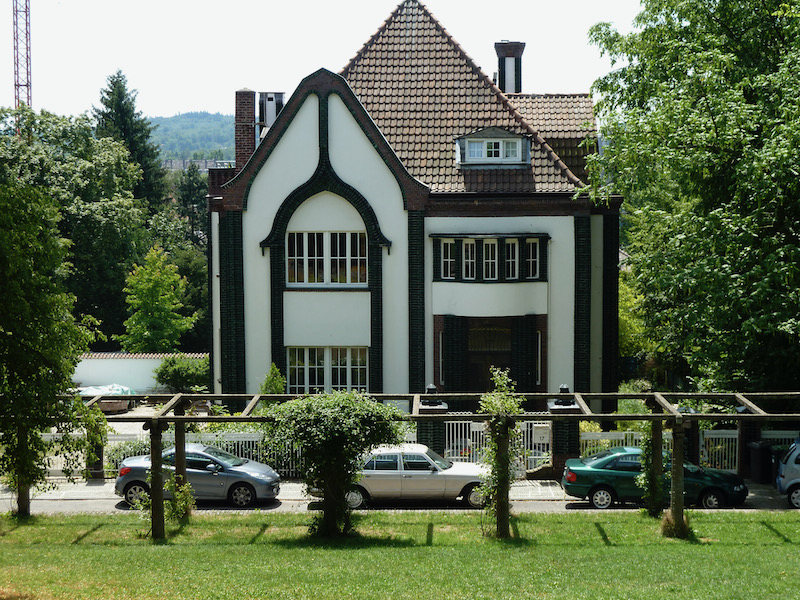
(610, 303)
(416, 301)
(231, 282)
(583, 302)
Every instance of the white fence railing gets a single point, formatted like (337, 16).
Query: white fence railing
(465, 440)
(719, 448)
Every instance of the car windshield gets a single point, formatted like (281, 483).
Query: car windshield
(226, 458)
(593, 458)
(442, 463)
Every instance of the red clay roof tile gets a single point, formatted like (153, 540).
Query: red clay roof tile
(423, 91)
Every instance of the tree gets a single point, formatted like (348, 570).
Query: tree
(191, 196)
(92, 181)
(501, 404)
(333, 432)
(153, 295)
(117, 118)
(703, 123)
(40, 340)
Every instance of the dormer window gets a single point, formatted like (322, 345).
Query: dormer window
(492, 147)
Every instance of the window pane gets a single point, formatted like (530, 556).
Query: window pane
(510, 149)
(512, 259)
(490, 259)
(448, 259)
(475, 149)
(469, 259)
(358, 261)
(532, 259)
(295, 257)
(492, 149)
(315, 258)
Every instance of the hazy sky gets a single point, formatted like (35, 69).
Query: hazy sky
(192, 55)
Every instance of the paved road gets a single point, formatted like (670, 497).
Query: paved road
(526, 496)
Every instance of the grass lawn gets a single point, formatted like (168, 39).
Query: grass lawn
(415, 555)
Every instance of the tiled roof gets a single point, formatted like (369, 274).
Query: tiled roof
(564, 120)
(423, 91)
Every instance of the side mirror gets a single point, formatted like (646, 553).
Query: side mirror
(212, 468)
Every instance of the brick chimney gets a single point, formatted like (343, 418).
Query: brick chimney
(509, 66)
(245, 127)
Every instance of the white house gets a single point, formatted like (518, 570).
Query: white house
(408, 222)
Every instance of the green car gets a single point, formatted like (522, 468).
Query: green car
(610, 476)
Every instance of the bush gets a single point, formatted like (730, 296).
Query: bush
(332, 432)
(181, 374)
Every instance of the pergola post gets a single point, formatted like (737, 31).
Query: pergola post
(674, 523)
(156, 483)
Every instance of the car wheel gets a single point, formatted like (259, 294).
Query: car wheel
(242, 495)
(712, 499)
(601, 497)
(473, 497)
(356, 498)
(793, 495)
(135, 491)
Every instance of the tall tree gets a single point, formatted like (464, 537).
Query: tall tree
(40, 340)
(191, 196)
(703, 123)
(154, 292)
(92, 180)
(118, 119)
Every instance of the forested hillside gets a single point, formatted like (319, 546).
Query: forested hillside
(195, 135)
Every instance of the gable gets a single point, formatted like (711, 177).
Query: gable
(423, 91)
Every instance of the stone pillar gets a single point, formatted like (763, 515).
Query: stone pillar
(566, 441)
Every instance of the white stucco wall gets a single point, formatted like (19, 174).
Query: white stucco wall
(291, 163)
(325, 317)
(356, 161)
(555, 297)
(135, 373)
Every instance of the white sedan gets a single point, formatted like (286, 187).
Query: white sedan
(415, 472)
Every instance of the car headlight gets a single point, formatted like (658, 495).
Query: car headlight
(738, 488)
(264, 477)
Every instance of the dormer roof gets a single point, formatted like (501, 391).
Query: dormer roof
(423, 92)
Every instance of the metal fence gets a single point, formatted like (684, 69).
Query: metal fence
(465, 441)
(719, 448)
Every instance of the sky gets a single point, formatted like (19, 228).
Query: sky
(192, 55)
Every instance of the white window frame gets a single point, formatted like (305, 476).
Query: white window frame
(448, 259)
(532, 259)
(324, 369)
(469, 259)
(512, 259)
(353, 260)
(497, 150)
(490, 260)
(305, 367)
(312, 264)
(349, 368)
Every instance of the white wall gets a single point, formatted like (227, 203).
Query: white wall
(555, 297)
(335, 316)
(135, 373)
(292, 162)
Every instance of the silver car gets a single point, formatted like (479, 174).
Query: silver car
(415, 472)
(213, 474)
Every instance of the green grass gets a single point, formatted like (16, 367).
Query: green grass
(415, 555)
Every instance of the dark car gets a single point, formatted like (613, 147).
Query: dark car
(610, 476)
(213, 474)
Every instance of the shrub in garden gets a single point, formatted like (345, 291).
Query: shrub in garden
(333, 432)
(181, 374)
